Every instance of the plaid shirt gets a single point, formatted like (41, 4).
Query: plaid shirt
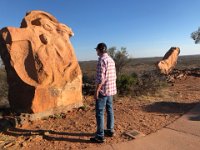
(106, 75)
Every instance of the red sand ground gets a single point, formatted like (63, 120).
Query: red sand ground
(73, 130)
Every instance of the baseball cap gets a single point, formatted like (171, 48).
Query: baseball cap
(101, 46)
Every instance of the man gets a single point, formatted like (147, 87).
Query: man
(105, 89)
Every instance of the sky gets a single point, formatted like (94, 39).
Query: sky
(146, 28)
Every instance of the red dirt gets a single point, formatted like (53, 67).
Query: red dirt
(146, 114)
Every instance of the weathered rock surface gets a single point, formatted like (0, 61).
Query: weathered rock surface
(169, 61)
(42, 70)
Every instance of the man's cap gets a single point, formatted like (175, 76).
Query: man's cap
(101, 46)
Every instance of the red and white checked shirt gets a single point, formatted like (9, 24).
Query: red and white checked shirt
(106, 75)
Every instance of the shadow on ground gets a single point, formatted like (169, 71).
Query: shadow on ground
(195, 118)
(8, 123)
(169, 107)
(49, 135)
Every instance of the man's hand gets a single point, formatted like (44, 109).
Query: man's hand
(96, 95)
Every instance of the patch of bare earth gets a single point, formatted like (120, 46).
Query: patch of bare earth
(146, 114)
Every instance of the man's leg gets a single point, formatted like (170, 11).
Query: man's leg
(110, 114)
(100, 105)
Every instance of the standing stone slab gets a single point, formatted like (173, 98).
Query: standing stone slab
(169, 61)
(43, 73)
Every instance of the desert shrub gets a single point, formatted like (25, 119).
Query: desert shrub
(125, 83)
(88, 84)
(3, 84)
(121, 58)
(86, 79)
(146, 83)
(3, 89)
(149, 83)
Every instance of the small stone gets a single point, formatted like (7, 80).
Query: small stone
(46, 133)
(7, 145)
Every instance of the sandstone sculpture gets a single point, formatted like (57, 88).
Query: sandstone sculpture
(169, 61)
(42, 70)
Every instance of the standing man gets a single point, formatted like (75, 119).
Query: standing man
(105, 89)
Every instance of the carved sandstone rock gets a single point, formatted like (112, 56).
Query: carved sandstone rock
(42, 70)
(169, 61)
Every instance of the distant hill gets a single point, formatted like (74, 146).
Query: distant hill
(144, 64)
(184, 61)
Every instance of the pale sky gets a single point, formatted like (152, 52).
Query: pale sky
(147, 28)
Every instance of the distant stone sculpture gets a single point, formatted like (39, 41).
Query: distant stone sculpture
(169, 61)
(42, 70)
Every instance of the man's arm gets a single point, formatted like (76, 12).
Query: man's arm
(98, 87)
(100, 78)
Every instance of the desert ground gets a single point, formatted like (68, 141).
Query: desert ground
(143, 113)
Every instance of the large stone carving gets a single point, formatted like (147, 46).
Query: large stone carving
(42, 70)
(169, 61)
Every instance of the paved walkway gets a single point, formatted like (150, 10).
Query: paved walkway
(183, 134)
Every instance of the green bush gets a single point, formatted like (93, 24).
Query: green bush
(146, 83)
(125, 83)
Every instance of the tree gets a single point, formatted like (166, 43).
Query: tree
(120, 57)
(196, 36)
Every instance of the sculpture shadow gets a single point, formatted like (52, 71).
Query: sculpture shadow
(194, 74)
(50, 135)
(195, 118)
(194, 115)
(8, 125)
(169, 107)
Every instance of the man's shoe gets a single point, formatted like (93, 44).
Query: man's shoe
(108, 133)
(97, 139)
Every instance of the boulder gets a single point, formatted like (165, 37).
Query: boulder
(43, 73)
(169, 61)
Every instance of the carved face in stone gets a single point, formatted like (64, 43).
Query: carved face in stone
(41, 51)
